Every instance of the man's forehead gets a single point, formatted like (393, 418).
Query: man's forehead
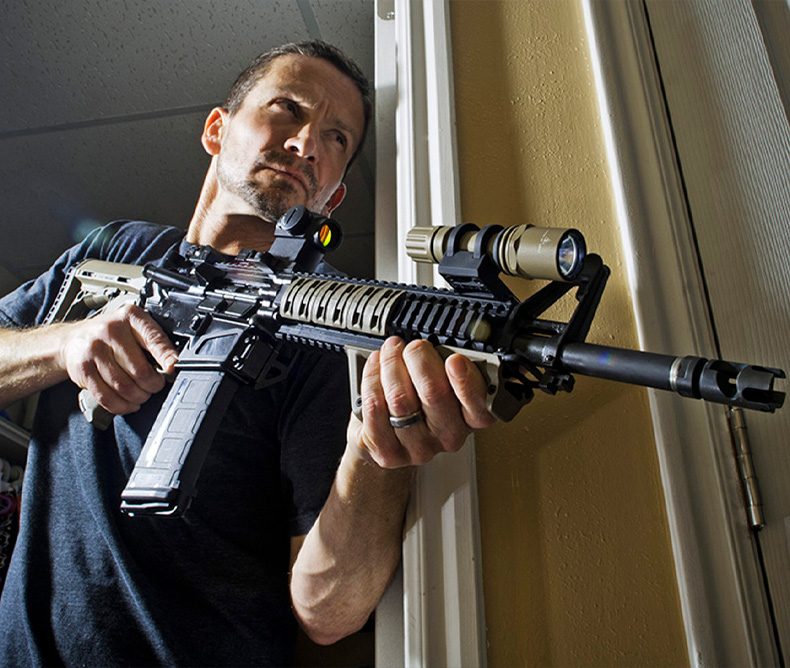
(314, 79)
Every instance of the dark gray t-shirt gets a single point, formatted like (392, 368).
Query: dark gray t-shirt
(89, 586)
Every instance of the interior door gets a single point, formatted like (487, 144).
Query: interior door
(723, 66)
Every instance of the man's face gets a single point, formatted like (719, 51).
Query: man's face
(290, 140)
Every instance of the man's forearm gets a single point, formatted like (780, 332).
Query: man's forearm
(349, 556)
(105, 354)
(352, 551)
(29, 361)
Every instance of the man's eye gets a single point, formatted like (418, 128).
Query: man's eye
(341, 139)
(289, 105)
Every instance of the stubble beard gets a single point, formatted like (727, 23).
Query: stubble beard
(270, 201)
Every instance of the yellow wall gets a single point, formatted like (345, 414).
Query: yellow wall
(577, 564)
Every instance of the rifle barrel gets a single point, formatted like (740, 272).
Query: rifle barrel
(730, 383)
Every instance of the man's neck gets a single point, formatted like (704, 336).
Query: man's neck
(232, 233)
(222, 226)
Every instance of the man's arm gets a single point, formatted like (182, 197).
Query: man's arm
(105, 354)
(29, 362)
(349, 556)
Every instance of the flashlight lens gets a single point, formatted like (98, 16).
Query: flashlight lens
(570, 255)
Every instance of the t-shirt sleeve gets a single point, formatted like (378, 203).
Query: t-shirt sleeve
(28, 305)
(313, 435)
(121, 241)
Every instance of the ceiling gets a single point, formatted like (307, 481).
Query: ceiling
(103, 103)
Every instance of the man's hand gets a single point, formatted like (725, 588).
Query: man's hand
(402, 380)
(107, 356)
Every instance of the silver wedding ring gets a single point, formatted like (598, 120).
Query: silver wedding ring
(406, 420)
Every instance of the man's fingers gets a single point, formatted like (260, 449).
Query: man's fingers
(402, 398)
(376, 433)
(411, 387)
(410, 380)
(443, 416)
(113, 376)
(107, 397)
(153, 339)
(402, 380)
(471, 388)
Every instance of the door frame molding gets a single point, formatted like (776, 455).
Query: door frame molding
(720, 585)
(433, 614)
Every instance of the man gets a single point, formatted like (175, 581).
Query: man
(88, 585)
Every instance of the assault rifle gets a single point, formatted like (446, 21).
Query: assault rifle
(241, 320)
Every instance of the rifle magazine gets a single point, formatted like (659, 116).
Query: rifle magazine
(164, 477)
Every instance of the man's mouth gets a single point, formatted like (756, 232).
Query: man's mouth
(291, 174)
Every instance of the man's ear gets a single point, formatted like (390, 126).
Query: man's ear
(334, 200)
(213, 129)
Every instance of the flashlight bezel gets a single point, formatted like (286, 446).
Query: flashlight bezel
(580, 251)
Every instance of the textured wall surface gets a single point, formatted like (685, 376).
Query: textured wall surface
(104, 102)
(576, 556)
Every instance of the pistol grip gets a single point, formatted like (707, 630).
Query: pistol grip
(94, 414)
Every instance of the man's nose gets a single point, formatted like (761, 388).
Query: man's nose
(304, 143)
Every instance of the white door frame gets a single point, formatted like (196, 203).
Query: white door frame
(724, 611)
(433, 613)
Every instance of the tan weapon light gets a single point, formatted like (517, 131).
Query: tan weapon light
(551, 253)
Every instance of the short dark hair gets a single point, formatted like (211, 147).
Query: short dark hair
(314, 48)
